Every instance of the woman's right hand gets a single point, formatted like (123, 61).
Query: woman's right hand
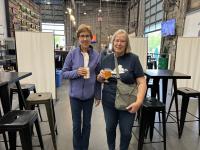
(82, 71)
(101, 76)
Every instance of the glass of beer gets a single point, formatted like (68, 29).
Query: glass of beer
(107, 74)
(87, 76)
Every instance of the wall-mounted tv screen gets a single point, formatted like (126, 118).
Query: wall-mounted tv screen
(168, 27)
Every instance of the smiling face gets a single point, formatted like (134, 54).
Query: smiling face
(84, 40)
(120, 44)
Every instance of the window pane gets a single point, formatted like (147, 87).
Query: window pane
(153, 2)
(146, 29)
(154, 41)
(60, 40)
(153, 10)
(147, 13)
(158, 25)
(159, 6)
(152, 27)
(153, 19)
(59, 27)
(159, 15)
(59, 32)
(47, 27)
(148, 5)
(47, 30)
(147, 21)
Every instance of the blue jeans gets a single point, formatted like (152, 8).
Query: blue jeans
(81, 117)
(125, 120)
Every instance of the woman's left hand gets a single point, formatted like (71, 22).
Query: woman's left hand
(97, 102)
(133, 108)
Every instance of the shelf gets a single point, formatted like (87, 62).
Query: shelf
(24, 16)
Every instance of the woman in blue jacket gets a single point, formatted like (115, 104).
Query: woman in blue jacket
(80, 68)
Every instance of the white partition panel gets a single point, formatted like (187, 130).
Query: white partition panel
(35, 53)
(139, 47)
(188, 61)
(192, 24)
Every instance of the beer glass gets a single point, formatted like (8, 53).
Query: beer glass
(107, 74)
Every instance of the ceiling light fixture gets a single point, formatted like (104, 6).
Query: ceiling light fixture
(100, 6)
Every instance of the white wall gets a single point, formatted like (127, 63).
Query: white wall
(3, 29)
(192, 24)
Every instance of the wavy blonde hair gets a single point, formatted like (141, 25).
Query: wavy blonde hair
(128, 47)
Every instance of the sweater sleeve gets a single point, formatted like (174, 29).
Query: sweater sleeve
(67, 71)
(97, 83)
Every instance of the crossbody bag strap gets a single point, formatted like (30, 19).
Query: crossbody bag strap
(118, 76)
(116, 67)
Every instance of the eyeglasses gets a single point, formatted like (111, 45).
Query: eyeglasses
(121, 41)
(82, 36)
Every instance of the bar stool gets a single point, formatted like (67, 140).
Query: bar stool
(186, 94)
(26, 89)
(149, 108)
(150, 86)
(22, 121)
(45, 98)
(4, 135)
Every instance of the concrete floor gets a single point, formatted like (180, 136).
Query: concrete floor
(190, 139)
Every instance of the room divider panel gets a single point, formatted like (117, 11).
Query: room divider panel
(35, 53)
(188, 61)
(139, 47)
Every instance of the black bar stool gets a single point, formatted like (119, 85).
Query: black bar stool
(186, 94)
(22, 121)
(26, 89)
(45, 98)
(149, 108)
(4, 135)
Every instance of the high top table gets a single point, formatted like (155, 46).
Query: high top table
(156, 75)
(7, 78)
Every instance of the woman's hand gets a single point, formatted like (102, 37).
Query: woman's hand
(82, 71)
(141, 81)
(97, 102)
(134, 107)
(101, 76)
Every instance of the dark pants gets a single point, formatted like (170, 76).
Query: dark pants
(81, 135)
(125, 120)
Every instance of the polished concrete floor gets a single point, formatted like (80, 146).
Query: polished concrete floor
(190, 139)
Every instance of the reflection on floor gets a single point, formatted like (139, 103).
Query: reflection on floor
(189, 141)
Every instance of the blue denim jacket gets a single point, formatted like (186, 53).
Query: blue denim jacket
(79, 87)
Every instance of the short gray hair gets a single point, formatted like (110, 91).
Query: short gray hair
(128, 47)
(84, 28)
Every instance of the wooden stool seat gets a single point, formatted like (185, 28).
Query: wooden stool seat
(42, 97)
